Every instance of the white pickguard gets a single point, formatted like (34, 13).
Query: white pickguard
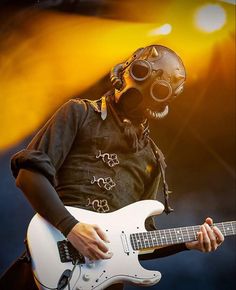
(122, 267)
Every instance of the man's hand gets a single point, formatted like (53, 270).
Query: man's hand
(90, 241)
(209, 238)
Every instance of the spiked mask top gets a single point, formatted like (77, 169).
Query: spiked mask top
(149, 80)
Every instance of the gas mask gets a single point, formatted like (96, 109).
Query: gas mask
(149, 80)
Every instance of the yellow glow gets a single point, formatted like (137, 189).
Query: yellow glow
(210, 17)
(61, 56)
(48, 57)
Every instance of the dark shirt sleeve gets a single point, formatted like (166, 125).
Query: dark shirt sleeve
(49, 148)
(45, 154)
(45, 200)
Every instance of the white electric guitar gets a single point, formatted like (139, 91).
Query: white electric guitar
(57, 265)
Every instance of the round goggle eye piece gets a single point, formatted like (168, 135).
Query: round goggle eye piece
(161, 91)
(140, 70)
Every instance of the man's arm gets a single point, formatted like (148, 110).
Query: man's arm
(88, 239)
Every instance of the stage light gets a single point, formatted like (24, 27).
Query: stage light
(210, 17)
(162, 30)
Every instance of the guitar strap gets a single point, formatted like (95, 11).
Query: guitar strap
(161, 160)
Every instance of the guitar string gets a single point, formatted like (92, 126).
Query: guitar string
(155, 238)
(187, 229)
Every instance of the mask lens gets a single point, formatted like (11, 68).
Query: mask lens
(161, 91)
(140, 70)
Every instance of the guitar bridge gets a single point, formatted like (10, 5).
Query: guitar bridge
(68, 253)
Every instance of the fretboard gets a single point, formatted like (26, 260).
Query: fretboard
(159, 238)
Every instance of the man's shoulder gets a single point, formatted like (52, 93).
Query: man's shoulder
(86, 103)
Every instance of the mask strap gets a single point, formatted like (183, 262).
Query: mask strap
(160, 157)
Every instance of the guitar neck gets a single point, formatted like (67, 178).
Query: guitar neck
(160, 238)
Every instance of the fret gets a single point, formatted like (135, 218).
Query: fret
(154, 238)
(172, 236)
(139, 240)
(191, 232)
(194, 232)
(163, 238)
(150, 239)
(146, 242)
(142, 240)
(227, 228)
(166, 237)
(176, 233)
(233, 228)
(189, 238)
(171, 239)
(179, 235)
(158, 237)
(223, 229)
(136, 240)
(132, 240)
(185, 234)
(182, 234)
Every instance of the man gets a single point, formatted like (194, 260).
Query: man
(98, 154)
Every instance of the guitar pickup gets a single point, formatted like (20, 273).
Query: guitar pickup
(124, 243)
(68, 253)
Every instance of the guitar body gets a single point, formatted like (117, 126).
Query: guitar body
(124, 265)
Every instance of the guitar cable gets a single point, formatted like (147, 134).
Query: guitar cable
(72, 271)
(66, 274)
